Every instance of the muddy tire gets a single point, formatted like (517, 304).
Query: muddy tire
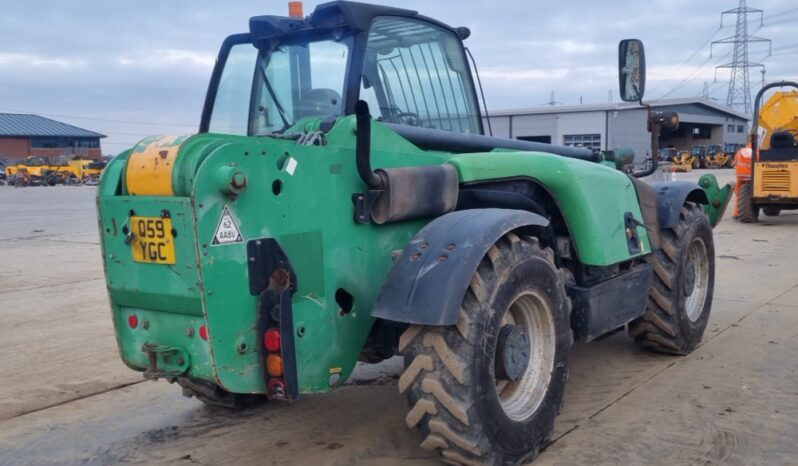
(771, 211)
(471, 406)
(684, 279)
(213, 395)
(745, 204)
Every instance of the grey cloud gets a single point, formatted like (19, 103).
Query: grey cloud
(149, 61)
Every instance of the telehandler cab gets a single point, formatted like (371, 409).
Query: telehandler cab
(341, 202)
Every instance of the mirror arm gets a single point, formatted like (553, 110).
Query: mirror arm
(654, 128)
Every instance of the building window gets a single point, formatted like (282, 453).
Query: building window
(63, 143)
(588, 141)
(729, 128)
(740, 128)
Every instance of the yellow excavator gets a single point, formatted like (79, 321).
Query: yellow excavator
(769, 182)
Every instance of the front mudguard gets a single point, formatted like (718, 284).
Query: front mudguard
(429, 279)
(671, 196)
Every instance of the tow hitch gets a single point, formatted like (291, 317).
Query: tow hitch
(165, 361)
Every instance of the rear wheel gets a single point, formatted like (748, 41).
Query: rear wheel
(771, 211)
(487, 390)
(679, 302)
(745, 204)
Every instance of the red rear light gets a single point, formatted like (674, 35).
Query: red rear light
(203, 331)
(271, 339)
(133, 321)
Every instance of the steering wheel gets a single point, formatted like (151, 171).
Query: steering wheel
(407, 118)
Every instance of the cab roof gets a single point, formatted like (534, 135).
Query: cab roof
(355, 16)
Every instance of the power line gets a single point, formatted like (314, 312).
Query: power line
(692, 55)
(108, 120)
(699, 68)
(681, 84)
(126, 144)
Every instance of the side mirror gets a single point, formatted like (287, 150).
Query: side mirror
(631, 69)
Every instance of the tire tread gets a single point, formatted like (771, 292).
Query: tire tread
(436, 376)
(658, 329)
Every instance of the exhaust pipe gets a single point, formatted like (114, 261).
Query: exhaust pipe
(363, 147)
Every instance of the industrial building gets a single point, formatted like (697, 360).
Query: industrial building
(610, 125)
(23, 135)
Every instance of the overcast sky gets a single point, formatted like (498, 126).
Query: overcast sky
(131, 69)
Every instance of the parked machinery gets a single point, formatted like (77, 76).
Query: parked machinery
(668, 154)
(717, 157)
(685, 161)
(772, 184)
(699, 154)
(32, 171)
(78, 169)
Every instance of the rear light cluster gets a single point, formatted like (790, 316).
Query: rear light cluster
(272, 341)
(274, 361)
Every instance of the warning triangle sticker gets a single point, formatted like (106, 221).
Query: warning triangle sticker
(227, 232)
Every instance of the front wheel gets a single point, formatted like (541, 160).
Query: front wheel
(684, 279)
(749, 213)
(771, 211)
(487, 390)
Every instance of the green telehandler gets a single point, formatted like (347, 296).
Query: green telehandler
(341, 203)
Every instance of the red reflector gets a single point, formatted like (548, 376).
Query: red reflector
(203, 331)
(271, 339)
(133, 321)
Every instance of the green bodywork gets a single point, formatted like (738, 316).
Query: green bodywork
(717, 196)
(306, 206)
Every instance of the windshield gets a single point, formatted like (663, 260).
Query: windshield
(414, 73)
(265, 92)
(36, 161)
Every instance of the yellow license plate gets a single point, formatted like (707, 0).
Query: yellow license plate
(153, 242)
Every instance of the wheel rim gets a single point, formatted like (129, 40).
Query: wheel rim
(520, 399)
(696, 279)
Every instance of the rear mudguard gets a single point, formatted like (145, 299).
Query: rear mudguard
(429, 279)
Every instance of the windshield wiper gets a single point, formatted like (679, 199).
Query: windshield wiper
(277, 104)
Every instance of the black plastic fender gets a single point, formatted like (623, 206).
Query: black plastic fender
(671, 196)
(429, 279)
